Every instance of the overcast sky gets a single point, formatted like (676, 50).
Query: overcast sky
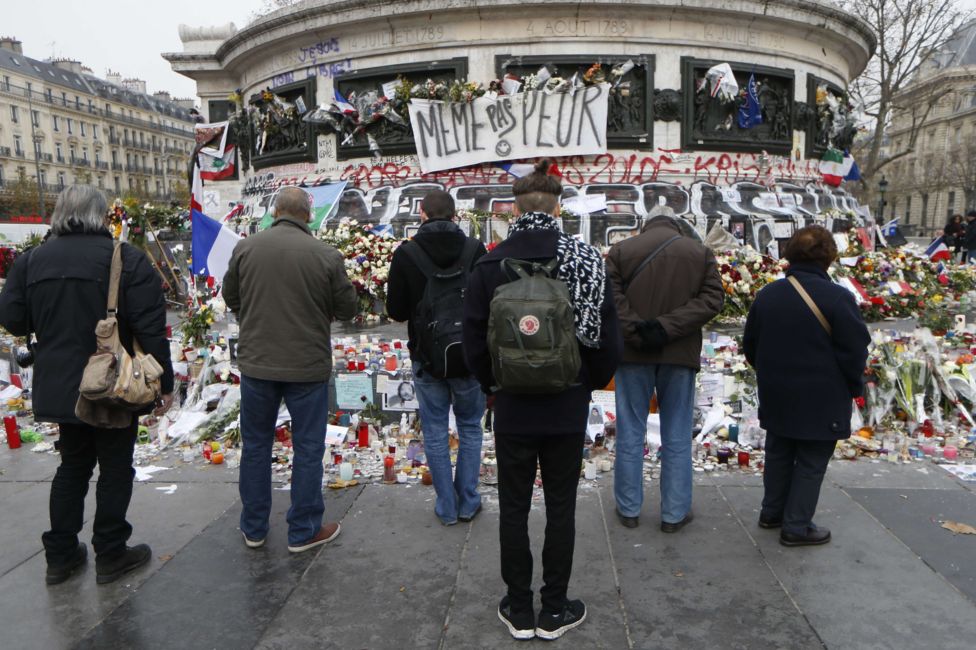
(126, 36)
(123, 35)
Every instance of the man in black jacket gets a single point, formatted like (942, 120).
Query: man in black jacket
(444, 245)
(544, 430)
(58, 292)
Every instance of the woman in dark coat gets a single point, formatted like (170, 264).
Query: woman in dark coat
(954, 233)
(808, 377)
(58, 291)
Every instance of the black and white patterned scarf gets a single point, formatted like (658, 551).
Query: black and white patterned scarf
(581, 267)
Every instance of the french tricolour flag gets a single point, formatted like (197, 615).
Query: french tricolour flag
(518, 170)
(342, 104)
(938, 250)
(213, 243)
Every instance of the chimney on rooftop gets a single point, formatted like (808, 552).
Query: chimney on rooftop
(162, 95)
(134, 85)
(12, 44)
(113, 78)
(68, 64)
(182, 102)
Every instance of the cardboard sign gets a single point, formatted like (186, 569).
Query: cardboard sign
(527, 125)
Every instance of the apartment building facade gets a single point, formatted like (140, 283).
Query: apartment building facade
(937, 178)
(60, 124)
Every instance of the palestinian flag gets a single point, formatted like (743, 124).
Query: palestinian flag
(835, 166)
(213, 168)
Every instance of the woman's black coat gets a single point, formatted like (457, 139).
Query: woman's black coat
(63, 285)
(807, 379)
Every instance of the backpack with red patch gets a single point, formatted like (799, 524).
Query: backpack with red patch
(531, 332)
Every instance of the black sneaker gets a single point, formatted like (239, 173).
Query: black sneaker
(133, 557)
(553, 626)
(519, 624)
(59, 573)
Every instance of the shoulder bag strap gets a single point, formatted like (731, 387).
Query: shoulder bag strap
(648, 260)
(114, 279)
(811, 304)
(420, 257)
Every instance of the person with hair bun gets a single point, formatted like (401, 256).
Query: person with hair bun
(808, 343)
(542, 430)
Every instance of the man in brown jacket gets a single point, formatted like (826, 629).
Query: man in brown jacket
(286, 287)
(667, 287)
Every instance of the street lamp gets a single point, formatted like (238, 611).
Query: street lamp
(35, 139)
(882, 188)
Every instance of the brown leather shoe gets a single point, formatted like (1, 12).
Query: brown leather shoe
(326, 534)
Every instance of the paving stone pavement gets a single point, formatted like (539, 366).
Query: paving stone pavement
(892, 577)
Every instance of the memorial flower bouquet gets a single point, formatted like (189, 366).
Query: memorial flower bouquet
(744, 272)
(367, 260)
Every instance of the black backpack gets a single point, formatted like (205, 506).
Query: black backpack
(437, 317)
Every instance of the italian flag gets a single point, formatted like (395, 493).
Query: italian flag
(835, 166)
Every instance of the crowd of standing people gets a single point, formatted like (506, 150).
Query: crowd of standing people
(535, 325)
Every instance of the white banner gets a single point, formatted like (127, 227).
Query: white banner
(527, 125)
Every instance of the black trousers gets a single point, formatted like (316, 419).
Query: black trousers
(81, 447)
(560, 458)
(794, 471)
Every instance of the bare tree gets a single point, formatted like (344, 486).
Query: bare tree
(908, 33)
(960, 169)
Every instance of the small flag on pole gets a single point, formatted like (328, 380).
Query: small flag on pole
(938, 250)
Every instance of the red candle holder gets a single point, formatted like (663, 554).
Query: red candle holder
(361, 365)
(363, 435)
(12, 430)
(744, 457)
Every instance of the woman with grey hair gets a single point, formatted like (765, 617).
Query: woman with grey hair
(58, 292)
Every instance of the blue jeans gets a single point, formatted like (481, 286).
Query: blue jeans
(457, 497)
(635, 383)
(308, 404)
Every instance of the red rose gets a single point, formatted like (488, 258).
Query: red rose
(877, 300)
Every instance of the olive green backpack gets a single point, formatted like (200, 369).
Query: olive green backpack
(531, 332)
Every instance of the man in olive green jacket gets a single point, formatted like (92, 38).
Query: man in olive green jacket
(286, 287)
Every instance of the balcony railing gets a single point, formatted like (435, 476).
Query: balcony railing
(100, 164)
(46, 157)
(60, 158)
(114, 139)
(116, 167)
(5, 151)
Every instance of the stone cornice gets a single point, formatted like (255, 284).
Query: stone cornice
(821, 20)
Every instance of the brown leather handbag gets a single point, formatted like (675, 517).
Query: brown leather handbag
(113, 378)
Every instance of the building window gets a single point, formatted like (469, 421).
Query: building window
(115, 157)
(14, 114)
(957, 134)
(82, 125)
(71, 126)
(37, 149)
(36, 118)
(925, 211)
(71, 152)
(908, 209)
(77, 102)
(64, 99)
(1, 175)
(94, 132)
(48, 96)
(6, 83)
(61, 180)
(18, 147)
(59, 151)
(43, 178)
(118, 185)
(950, 204)
(57, 123)
(84, 154)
